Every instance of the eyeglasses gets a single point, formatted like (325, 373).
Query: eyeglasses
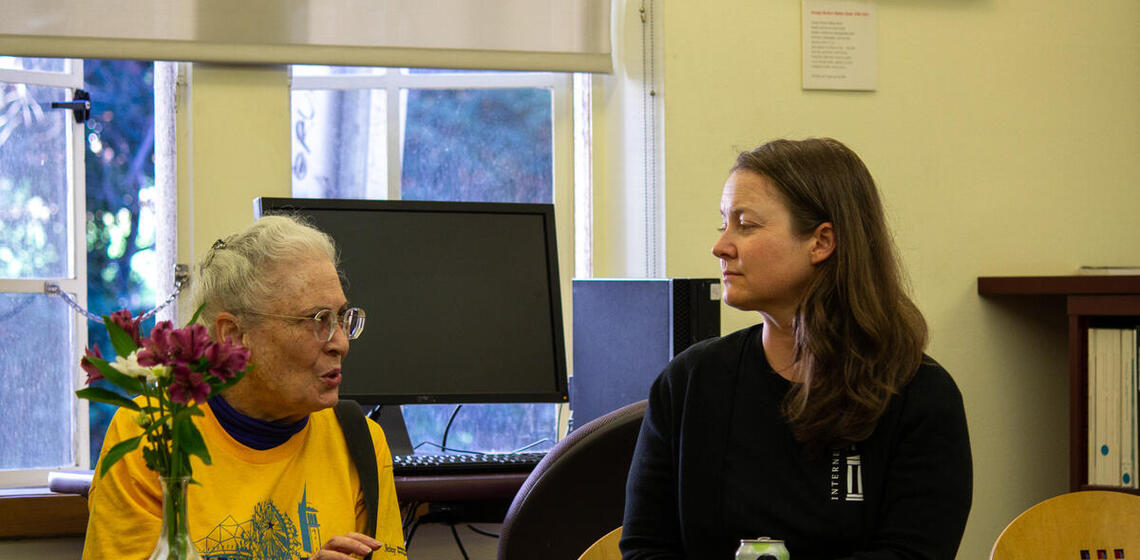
(326, 321)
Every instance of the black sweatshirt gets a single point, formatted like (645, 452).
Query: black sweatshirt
(716, 462)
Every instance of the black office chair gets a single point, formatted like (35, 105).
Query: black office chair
(576, 494)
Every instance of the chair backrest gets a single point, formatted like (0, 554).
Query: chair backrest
(605, 548)
(1089, 524)
(576, 494)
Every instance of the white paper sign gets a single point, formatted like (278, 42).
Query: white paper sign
(839, 49)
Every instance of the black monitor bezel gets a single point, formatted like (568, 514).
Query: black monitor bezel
(558, 392)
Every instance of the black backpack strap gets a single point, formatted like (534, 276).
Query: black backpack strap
(363, 453)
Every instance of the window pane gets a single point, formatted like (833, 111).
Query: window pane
(484, 145)
(119, 163)
(340, 142)
(482, 427)
(36, 365)
(33, 183)
(490, 145)
(37, 64)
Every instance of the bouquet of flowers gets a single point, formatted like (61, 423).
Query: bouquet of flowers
(175, 370)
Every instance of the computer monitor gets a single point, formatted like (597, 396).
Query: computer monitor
(463, 299)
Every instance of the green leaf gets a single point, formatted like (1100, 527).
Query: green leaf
(117, 452)
(99, 394)
(156, 424)
(124, 382)
(122, 341)
(190, 439)
(197, 312)
(217, 386)
(153, 459)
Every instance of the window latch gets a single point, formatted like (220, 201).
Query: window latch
(80, 105)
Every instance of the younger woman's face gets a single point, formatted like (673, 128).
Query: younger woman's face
(765, 264)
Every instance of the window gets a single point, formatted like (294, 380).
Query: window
(81, 218)
(454, 135)
(41, 238)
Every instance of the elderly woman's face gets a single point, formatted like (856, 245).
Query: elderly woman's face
(295, 373)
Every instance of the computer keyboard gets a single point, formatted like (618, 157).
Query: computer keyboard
(465, 463)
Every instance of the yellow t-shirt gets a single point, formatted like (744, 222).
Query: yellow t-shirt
(280, 503)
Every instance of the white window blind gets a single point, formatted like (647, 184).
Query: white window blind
(550, 35)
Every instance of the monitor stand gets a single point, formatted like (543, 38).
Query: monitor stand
(391, 420)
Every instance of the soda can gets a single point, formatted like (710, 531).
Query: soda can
(762, 548)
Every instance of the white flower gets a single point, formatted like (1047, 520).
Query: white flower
(130, 366)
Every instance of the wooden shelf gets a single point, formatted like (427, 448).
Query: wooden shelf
(1089, 301)
(1058, 285)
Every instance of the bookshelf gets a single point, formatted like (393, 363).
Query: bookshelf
(1089, 301)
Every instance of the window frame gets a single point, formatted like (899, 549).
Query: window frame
(74, 282)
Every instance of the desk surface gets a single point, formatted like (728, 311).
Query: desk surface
(459, 488)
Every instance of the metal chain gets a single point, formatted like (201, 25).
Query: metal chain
(181, 279)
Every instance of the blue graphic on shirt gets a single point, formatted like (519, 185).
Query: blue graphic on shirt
(310, 527)
(269, 534)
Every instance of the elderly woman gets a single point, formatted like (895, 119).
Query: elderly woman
(281, 481)
(825, 426)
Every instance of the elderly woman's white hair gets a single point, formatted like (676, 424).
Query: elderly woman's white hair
(238, 273)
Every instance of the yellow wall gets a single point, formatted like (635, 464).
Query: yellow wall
(234, 146)
(1005, 138)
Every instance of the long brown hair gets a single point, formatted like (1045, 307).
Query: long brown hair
(858, 336)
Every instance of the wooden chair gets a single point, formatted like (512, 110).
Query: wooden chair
(1090, 524)
(605, 548)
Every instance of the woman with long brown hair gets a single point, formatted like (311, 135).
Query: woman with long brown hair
(826, 426)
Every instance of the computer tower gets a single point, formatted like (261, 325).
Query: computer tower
(627, 330)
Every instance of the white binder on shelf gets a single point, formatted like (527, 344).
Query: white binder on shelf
(1106, 435)
(1128, 443)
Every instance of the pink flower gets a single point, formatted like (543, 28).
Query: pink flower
(156, 348)
(187, 345)
(93, 373)
(188, 385)
(226, 359)
(124, 320)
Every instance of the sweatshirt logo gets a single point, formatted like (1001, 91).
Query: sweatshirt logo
(846, 483)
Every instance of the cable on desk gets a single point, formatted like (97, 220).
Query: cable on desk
(409, 516)
(458, 542)
(411, 533)
(483, 532)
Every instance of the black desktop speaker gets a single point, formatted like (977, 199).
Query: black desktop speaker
(627, 330)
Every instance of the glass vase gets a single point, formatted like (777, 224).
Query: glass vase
(174, 543)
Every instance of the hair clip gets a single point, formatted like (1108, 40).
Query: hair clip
(219, 245)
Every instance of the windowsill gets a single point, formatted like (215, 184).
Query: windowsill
(25, 491)
(38, 512)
